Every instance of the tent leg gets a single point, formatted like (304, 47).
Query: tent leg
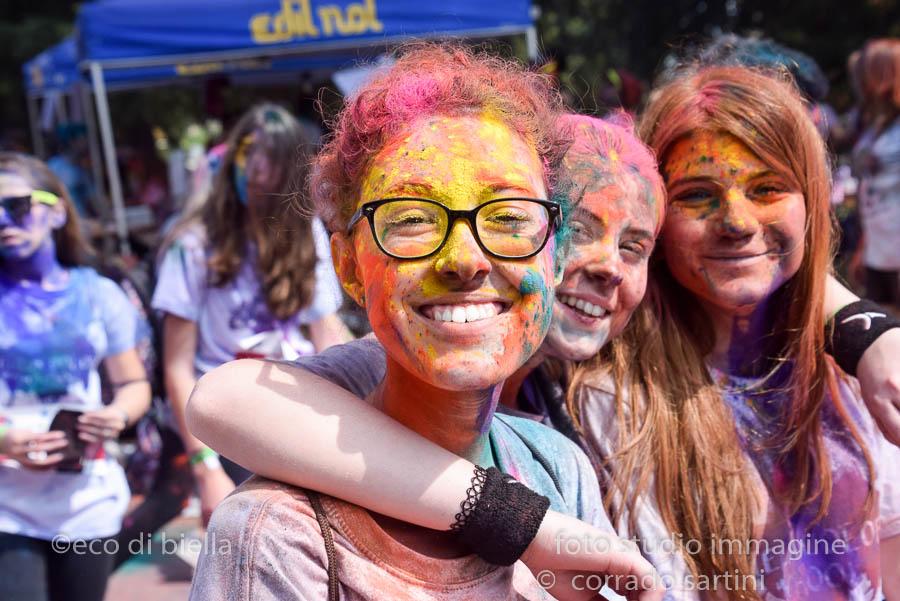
(87, 103)
(531, 43)
(109, 151)
(62, 110)
(37, 140)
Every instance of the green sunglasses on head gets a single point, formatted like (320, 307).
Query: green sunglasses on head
(17, 207)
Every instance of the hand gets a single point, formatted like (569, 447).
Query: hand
(568, 547)
(100, 425)
(213, 485)
(34, 450)
(878, 373)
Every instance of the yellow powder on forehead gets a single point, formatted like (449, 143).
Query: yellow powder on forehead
(452, 166)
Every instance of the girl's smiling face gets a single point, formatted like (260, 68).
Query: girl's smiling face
(614, 223)
(461, 162)
(735, 228)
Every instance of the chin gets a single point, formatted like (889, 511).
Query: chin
(739, 300)
(575, 344)
(16, 253)
(578, 351)
(461, 375)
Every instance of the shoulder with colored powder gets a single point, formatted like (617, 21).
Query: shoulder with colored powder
(263, 544)
(551, 464)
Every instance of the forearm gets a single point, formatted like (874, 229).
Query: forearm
(329, 331)
(133, 400)
(287, 424)
(179, 351)
(179, 383)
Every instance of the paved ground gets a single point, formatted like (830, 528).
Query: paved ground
(158, 573)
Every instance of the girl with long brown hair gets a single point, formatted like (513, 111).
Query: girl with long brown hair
(243, 274)
(60, 322)
(743, 433)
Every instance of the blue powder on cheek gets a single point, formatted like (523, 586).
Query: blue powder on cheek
(531, 283)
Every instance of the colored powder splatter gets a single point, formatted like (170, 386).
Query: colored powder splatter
(531, 283)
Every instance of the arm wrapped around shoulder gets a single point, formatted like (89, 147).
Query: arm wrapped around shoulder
(499, 517)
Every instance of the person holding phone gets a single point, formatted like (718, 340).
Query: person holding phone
(62, 496)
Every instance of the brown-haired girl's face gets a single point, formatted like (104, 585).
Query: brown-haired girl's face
(613, 225)
(734, 232)
(256, 169)
(459, 319)
(21, 238)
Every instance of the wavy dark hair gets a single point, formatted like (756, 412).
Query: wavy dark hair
(72, 249)
(286, 257)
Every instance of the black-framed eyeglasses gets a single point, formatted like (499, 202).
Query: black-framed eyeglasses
(17, 207)
(415, 228)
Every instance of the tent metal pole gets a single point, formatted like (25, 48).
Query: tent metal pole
(63, 112)
(531, 36)
(531, 43)
(37, 140)
(90, 120)
(109, 151)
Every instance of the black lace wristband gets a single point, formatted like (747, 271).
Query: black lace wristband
(499, 517)
(854, 329)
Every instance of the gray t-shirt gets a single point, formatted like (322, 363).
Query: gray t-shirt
(269, 546)
(527, 450)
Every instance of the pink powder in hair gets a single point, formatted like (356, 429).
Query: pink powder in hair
(627, 156)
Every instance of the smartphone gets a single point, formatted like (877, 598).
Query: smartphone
(66, 420)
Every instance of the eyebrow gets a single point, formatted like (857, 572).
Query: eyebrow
(585, 214)
(640, 232)
(712, 180)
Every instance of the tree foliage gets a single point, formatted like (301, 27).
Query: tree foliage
(593, 36)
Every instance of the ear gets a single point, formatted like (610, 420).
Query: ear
(343, 255)
(58, 217)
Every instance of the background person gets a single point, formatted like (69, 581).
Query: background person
(243, 275)
(876, 160)
(59, 320)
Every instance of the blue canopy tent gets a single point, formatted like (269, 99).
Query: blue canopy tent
(54, 69)
(52, 74)
(133, 42)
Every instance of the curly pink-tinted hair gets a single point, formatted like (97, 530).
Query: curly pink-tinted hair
(429, 80)
(625, 156)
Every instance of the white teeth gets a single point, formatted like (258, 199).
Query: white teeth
(463, 313)
(582, 305)
(472, 313)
